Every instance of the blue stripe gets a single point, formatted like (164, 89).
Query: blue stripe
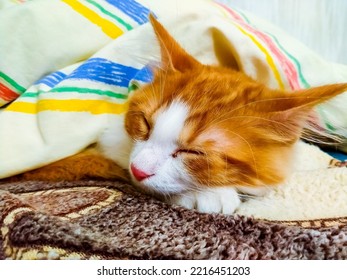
(144, 75)
(52, 80)
(132, 9)
(104, 71)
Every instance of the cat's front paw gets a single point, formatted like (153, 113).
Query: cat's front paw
(211, 200)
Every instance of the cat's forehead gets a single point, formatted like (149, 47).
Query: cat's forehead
(174, 122)
(212, 85)
(169, 122)
(198, 102)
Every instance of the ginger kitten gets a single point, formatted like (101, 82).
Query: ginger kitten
(201, 133)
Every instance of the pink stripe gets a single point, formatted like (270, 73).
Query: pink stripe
(288, 68)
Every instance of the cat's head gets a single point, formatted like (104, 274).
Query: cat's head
(197, 125)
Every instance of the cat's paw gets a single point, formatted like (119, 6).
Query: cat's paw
(211, 200)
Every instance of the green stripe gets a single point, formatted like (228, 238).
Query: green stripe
(90, 90)
(297, 63)
(79, 90)
(103, 10)
(12, 82)
(324, 118)
(304, 82)
(31, 94)
(133, 87)
(242, 15)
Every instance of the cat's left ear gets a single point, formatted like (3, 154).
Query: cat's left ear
(225, 52)
(173, 56)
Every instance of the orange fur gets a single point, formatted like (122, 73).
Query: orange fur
(88, 164)
(242, 133)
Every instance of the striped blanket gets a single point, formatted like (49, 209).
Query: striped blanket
(68, 67)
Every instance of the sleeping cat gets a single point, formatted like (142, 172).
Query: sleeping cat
(201, 134)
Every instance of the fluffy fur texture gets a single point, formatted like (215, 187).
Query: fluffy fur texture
(201, 132)
(89, 164)
(236, 134)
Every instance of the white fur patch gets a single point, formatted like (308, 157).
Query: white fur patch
(154, 156)
(210, 200)
(169, 123)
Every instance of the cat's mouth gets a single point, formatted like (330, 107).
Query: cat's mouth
(155, 185)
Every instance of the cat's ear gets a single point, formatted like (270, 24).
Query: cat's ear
(173, 56)
(308, 98)
(291, 110)
(225, 51)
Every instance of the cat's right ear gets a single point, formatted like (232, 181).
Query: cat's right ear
(291, 110)
(173, 56)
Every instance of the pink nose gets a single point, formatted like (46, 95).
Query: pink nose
(139, 174)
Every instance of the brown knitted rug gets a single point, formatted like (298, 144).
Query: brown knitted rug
(108, 220)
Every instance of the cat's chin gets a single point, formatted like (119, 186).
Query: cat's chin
(159, 189)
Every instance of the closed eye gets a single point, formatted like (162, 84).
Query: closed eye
(148, 126)
(137, 125)
(187, 151)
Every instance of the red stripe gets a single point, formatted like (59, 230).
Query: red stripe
(7, 94)
(287, 66)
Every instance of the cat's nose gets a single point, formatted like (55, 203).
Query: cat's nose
(138, 173)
